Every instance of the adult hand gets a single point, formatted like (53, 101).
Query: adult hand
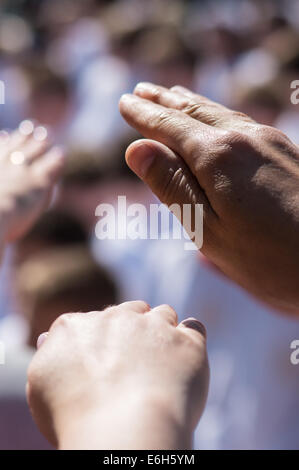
(125, 378)
(28, 170)
(245, 174)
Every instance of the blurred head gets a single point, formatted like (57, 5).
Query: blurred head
(93, 178)
(55, 228)
(61, 280)
(50, 96)
(263, 103)
(80, 189)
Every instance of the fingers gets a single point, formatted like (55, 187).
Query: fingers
(18, 137)
(193, 328)
(166, 313)
(28, 139)
(166, 174)
(34, 148)
(137, 306)
(183, 90)
(41, 339)
(11, 143)
(225, 118)
(196, 106)
(171, 127)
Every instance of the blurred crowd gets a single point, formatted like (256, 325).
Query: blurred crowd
(64, 64)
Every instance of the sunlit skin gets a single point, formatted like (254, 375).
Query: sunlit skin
(245, 174)
(129, 377)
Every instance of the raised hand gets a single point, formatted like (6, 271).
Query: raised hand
(245, 174)
(29, 167)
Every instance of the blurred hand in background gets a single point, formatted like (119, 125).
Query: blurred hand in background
(29, 168)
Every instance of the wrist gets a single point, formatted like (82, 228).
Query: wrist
(147, 422)
(5, 217)
(3, 230)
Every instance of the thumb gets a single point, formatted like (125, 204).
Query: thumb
(162, 170)
(168, 176)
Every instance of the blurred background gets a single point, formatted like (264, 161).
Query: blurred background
(65, 64)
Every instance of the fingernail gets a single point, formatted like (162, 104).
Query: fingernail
(26, 127)
(41, 339)
(40, 133)
(140, 159)
(195, 325)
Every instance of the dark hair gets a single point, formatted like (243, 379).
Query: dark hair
(70, 276)
(57, 228)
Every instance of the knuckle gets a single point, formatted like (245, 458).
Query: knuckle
(133, 305)
(239, 115)
(191, 108)
(178, 186)
(175, 87)
(270, 134)
(169, 121)
(230, 139)
(164, 119)
(115, 309)
(224, 152)
(112, 311)
(142, 304)
(230, 146)
(168, 310)
(167, 307)
(172, 183)
(63, 321)
(155, 94)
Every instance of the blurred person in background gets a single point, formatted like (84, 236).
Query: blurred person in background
(53, 229)
(49, 100)
(49, 283)
(29, 170)
(92, 178)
